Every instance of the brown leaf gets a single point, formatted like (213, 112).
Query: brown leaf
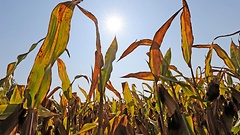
(140, 75)
(134, 45)
(212, 122)
(155, 55)
(111, 88)
(98, 53)
(202, 46)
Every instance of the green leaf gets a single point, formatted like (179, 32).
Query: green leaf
(107, 67)
(66, 84)
(54, 45)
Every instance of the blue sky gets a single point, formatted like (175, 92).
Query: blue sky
(24, 23)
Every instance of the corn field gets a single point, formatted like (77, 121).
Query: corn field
(206, 103)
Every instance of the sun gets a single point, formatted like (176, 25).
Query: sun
(114, 23)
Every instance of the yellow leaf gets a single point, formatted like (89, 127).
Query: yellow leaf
(54, 45)
(224, 56)
(186, 32)
(66, 84)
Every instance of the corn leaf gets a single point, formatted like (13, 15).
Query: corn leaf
(53, 91)
(168, 56)
(188, 124)
(98, 54)
(202, 46)
(54, 45)
(208, 59)
(224, 56)
(12, 66)
(109, 58)
(235, 54)
(66, 84)
(140, 75)
(44, 112)
(186, 32)
(6, 110)
(83, 92)
(155, 55)
(167, 60)
(128, 98)
(167, 99)
(8, 125)
(114, 106)
(111, 88)
(134, 45)
(17, 96)
(88, 126)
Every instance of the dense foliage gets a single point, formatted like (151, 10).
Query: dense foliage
(208, 102)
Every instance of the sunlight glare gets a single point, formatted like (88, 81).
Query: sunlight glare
(114, 24)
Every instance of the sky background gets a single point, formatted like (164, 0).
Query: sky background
(23, 23)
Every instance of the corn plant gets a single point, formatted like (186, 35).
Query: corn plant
(205, 103)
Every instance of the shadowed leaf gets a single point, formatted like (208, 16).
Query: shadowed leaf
(186, 32)
(6, 110)
(11, 114)
(134, 45)
(44, 112)
(187, 124)
(88, 126)
(166, 99)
